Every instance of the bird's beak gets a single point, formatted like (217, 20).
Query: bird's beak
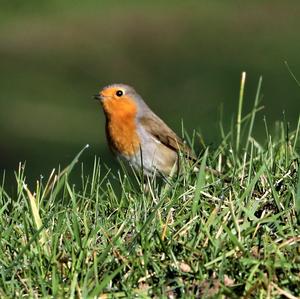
(97, 97)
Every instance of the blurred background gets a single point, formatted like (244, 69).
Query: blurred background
(184, 57)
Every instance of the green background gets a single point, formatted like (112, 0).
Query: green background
(184, 57)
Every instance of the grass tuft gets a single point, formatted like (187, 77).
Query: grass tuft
(193, 235)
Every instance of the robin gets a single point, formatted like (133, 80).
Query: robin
(135, 133)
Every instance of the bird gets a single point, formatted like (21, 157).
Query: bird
(137, 135)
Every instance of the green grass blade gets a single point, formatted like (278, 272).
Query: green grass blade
(199, 184)
(253, 112)
(60, 180)
(100, 287)
(297, 199)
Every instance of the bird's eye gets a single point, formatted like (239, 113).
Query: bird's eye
(119, 93)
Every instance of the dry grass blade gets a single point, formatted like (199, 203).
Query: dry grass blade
(283, 292)
(37, 221)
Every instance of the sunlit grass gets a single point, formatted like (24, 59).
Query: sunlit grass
(195, 236)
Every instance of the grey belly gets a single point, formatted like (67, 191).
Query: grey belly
(154, 157)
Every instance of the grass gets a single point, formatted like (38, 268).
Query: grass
(195, 236)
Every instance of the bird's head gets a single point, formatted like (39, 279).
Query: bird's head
(119, 99)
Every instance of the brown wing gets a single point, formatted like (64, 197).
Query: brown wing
(156, 127)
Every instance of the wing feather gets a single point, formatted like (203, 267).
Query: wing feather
(157, 128)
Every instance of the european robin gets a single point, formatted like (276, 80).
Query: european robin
(135, 133)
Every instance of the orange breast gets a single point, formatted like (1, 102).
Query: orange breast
(121, 131)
